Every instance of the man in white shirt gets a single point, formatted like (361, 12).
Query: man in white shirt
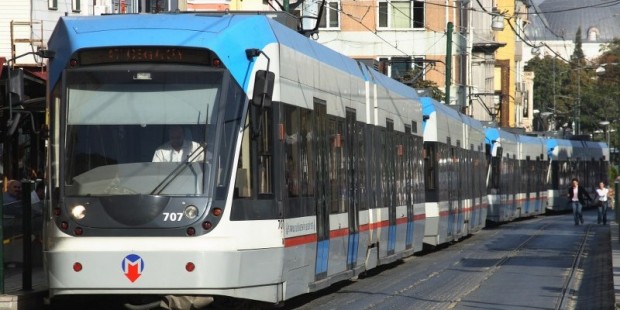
(178, 149)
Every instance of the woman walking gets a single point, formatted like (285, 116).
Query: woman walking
(602, 202)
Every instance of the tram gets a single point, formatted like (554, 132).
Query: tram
(300, 167)
(201, 155)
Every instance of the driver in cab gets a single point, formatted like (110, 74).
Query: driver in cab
(178, 149)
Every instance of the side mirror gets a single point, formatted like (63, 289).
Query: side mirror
(263, 88)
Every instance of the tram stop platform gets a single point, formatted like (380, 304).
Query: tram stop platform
(615, 259)
(18, 296)
(23, 290)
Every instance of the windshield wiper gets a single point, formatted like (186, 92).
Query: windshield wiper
(182, 166)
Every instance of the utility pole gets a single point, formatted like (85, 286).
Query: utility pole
(578, 110)
(449, 30)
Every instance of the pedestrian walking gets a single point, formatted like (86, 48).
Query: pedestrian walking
(577, 197)
(602, 202)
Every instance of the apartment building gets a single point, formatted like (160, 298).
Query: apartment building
(451, 43)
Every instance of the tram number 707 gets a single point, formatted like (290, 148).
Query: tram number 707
(173, 216)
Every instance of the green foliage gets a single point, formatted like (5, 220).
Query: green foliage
(436, 92)
(577, 92)
(578, 58)
(608, 89)
(413, 78)
(613, 173)
(552, 83)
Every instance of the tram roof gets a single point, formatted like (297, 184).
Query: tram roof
(227, 35)
(430, 105)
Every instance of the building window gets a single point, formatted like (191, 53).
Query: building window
(156, 6)
(52, 4)
(400, 66)
(76, 5)
(401, 14)
(593, 34)
(331, 15)
(406, 68)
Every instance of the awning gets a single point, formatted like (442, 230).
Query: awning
(37, 73)
(488, 47)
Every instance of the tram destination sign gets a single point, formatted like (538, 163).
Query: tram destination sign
(143, 54)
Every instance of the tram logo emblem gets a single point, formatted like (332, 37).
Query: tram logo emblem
(132, 266)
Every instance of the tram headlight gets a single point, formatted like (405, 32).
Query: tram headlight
(78, 212)
(191, 212)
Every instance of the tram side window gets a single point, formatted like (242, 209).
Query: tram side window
(430, 175)
(263, 158)
(382, 173)
(388, 164)
(336, 172)
(496, 170)
(292, 142)
(557, 174)
(418, 164)
(361, 165)
(242, 183)
(400, 171)
(307, 153)
(54, 136)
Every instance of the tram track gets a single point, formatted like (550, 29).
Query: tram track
(501, 262)
(569, 283)
(483, 264)
(569, 286)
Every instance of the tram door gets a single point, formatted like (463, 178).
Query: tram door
(389, 197)
(410, 192)
(528, 177)
(350, 162)
(451, 195)
(460, 182)
(321, 145)
(539, 183)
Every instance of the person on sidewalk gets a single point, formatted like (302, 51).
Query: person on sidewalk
(577, 197)
(602, 202)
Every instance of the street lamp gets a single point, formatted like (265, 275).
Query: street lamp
(497, 23)
(600, 71)
(606, 125)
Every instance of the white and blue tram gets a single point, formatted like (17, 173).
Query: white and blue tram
(502, 180)
(587, 161)
(534, 167)
(307, 168)
(517, 176)
(454, 165)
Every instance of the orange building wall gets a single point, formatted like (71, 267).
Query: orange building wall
(359, 14)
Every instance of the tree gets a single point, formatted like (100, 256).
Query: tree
(583, 88)
(551, 88)
(578, 58)
(576, 91)
(607, 85)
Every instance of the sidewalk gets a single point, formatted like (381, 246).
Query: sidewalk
(615, 258)
(15, 297)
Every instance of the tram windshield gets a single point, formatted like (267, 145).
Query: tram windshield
(149, 130)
